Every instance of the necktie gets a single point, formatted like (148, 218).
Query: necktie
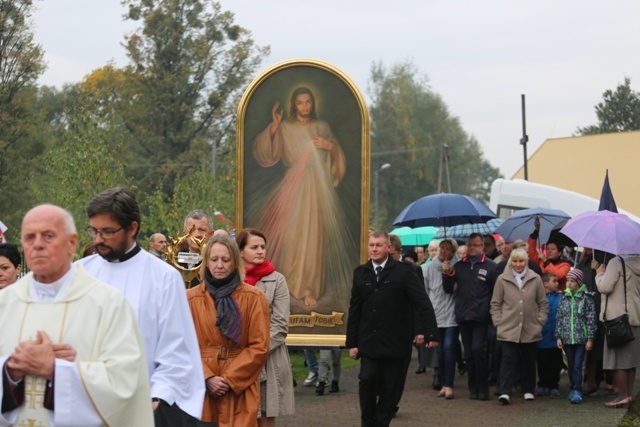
(378, 270)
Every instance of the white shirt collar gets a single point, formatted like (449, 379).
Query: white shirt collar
(51, 292)
(381, 265)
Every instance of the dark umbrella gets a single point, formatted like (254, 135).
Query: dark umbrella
(607, 202)
(559, 238)
(444, 210)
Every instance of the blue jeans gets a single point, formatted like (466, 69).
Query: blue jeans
(575, 356)
(447, 354)
(312, 360)
(474, 341)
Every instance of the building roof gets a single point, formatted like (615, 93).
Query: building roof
(579, 163)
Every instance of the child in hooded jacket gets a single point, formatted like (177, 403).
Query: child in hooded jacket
(576, 329)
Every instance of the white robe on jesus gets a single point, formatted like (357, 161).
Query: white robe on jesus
(107, 384)
(157, 295)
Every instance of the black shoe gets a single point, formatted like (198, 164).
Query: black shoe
(436, 382)
(421, 370)
(492, 380)
(483, 396)
(320, 388)
(295, 383)
(473, 396)
(334, 387)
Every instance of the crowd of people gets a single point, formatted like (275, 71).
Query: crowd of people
(526, 312)
(507, 314)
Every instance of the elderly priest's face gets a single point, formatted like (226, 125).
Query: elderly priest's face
(49, 241)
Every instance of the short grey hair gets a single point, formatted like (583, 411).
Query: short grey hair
(69, 222)
(198, 214)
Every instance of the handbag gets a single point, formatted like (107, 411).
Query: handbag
(618, 331)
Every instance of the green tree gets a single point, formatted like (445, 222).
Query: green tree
(190, 63)
(619, 111)
(194, 189)
(21, 62)
(82, 162)
(410, 125)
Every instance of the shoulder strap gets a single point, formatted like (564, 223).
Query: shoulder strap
(624, 280)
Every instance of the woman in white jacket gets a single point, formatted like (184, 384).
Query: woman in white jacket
(443, 306)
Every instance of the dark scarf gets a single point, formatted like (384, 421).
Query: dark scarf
(475, 259)
(228, 321)
(256, 273)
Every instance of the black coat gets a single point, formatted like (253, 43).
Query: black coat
(475, 288)
(381, 311)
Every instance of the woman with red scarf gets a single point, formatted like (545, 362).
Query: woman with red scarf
(276, 379)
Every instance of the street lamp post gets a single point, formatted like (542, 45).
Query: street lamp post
(376, 188)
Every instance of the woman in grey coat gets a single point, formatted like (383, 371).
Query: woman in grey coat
(519, 310)
(276, 379)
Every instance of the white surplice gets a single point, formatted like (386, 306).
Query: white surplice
(157, 295)
(107, 383)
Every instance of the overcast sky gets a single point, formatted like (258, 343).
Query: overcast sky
(479, 55)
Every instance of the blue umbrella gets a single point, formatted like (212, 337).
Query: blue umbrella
(465, 230)
(444, 210)
(520, 224)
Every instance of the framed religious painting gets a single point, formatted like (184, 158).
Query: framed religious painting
(303, 181)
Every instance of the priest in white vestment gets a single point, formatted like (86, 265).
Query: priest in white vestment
(157, 295)
(70, 348)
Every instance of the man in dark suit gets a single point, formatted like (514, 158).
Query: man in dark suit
(380, 329)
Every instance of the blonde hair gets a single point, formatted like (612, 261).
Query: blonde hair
(234, 252)
(434, 244)
(518, 254)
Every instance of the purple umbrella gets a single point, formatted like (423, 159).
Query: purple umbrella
(607, 231)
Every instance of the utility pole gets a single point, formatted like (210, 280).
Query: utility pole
(444, 160)
(524, 139)
(376, 188)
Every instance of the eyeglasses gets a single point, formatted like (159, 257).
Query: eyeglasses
(476, 245)
(106, 234)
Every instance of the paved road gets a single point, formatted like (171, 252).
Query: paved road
(420, 406)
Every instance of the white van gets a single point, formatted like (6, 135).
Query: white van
(508, 196)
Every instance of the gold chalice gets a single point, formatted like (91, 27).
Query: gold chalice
(187, 263)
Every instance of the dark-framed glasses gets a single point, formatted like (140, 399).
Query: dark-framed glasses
(105, 233)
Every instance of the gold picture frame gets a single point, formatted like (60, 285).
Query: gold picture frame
(303, 180)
